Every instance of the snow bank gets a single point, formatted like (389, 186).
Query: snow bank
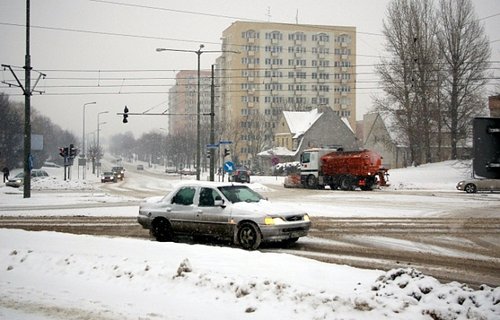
(47, 275)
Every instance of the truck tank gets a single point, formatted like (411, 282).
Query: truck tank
(349, 169)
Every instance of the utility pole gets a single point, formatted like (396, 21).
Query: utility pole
(212, 126)
(27, 109)
(27, 91)
(198, 134)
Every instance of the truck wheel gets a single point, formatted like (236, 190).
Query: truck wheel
(312, 182)
(346, 184)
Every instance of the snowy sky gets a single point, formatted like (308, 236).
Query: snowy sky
(98, 36)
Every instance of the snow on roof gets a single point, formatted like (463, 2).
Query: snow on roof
(391, 126)
(300, 121)
(277, 151)
(346, 122)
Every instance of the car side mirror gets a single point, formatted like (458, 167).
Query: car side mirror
(219, 203)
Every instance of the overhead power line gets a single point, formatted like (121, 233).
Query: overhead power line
(173, 10)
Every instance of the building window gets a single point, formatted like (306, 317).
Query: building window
(273, 74)
(299, 36)
(273, 61)
(250, 34)
(321, 37)
(297, 62)
(251, 48)
(343, 51)
(249, 60)
(275, 35)
(278, 49)
(344, 38)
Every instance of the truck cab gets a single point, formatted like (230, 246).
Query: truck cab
(310, 166)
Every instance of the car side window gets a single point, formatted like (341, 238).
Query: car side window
(207, 197)
(184, 196)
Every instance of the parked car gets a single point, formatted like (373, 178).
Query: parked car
(109, 176)
(119, 171)
(170, 170)
(222, 210)
(241, 175)
(188, 171)
(140, 167)
(18, 179)
(475, 185)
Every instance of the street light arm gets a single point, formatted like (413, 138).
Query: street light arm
(178, 50)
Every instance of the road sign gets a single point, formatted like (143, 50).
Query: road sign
(212, 146)
(225, 142)
(275, 160)
(228, 166)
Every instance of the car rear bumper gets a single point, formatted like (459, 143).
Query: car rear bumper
(144, 221)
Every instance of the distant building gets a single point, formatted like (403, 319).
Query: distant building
(300, 130)
(494, 106)
(382, 135)
(379, 135)
(183, 101)
(283, 67)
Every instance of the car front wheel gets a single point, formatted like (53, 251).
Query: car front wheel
(249, 236)
(470, 188)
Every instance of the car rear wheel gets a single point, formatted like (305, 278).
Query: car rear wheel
(161, 230)
(470, 188)
(249, 236)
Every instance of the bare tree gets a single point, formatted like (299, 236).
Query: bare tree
(465, 49)
(408, 76)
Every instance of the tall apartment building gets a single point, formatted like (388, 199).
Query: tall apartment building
(183, 101)
(280, 67)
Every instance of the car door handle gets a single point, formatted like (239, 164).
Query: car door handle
(169, 209)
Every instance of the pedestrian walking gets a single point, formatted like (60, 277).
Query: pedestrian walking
(6, 172)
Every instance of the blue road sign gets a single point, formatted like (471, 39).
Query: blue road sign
(228, 166)
(225, 142)
(212, 146)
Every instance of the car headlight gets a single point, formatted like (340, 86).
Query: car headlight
(273, 221)
(306, 217)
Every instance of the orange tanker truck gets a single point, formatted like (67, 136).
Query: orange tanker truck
(346, 170)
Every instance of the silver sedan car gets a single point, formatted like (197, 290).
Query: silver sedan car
(223, 210)
(474, 185)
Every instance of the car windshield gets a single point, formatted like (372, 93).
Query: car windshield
(240, 194)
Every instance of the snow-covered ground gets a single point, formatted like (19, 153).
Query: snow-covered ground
(48, 275)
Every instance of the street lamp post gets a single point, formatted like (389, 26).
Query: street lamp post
(83, 136)
(198, 107)
(98, 150)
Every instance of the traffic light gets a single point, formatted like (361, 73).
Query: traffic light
(72, 151)
(125, 115)
(64, 152)
(226, 152)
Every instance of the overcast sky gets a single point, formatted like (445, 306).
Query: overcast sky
(100, 40)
